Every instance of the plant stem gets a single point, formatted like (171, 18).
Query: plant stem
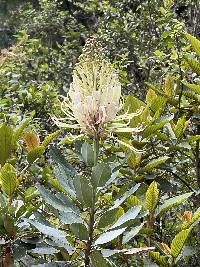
(92, 209)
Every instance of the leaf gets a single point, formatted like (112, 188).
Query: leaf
(161, 260)
(35, 153)
(131, 105)
(70, 217)
(64, 206)
(101, 173)
(8, 179)
(64, 172)
(19, 131)
(98, 260)
(194, 220)
(110, 217)
(178, 242)
(194, 87)
(54, 264)
(172, 202)
(79, 230)
(87, 153)
(133, 232)
(108, 236)
(6, 143)
(136, 250)
(169, 86)
(31, 140)
(181, 127)
(84, 190)
(154, 163)
(49, 138)
(44, 250)
(129, 215)
(152, 196)
(195, 65)
(46, 230)
(130, 192)
(194, 42)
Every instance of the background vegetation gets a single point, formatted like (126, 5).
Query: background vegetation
(149, 186)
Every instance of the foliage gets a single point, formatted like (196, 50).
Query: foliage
(130, 195)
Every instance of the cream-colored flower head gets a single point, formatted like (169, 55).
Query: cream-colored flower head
(94, 97)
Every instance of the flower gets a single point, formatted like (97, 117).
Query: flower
(94, 97)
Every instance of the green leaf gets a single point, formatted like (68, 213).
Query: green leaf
(35, 153)
(84, 190)
(194, 87)
(110, 217)
(49, 138)
(46, 230)
(154, 163)
(64, 172)
(161, 260)
(53, 200)
(178, 242)
(101, 173)
(180, 127)
(194, 42)
(8, 179)
(79, 230)
(152, 196)
(172, 202)
(130, 192)
(129, 215)
(19, 131)
(6, 143)
(133, 232)
(87, 153)
(195, 65)
(131, 105)
(108, 236)
(98, 260)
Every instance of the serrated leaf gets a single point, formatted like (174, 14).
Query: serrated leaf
(154, 163)
(87, 153)
(129, 215)
(194, 87)
(194, 42)
(101, 173)
(49, 138)
(8, 179)
(178, 242)
(6, 143)
(194, 64)
(161, 260)
(108, 236)
(172, 202)
(152, 196)
(35, 153)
